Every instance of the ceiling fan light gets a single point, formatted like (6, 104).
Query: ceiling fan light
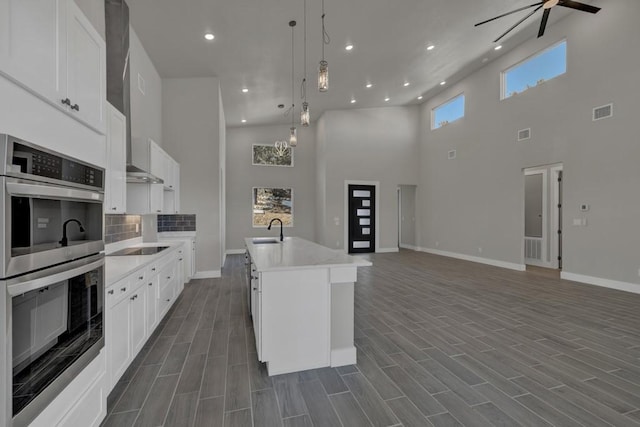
(323, 76)
(305, 116)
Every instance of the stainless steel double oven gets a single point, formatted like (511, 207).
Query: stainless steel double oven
(51, 275)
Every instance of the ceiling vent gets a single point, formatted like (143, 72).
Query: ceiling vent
(602, 112)
(524, 134)
(451, 155)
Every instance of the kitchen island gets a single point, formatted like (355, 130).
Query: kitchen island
(301, 302)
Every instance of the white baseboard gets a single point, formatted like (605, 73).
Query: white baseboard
(412, 247)
(488, 261)
(235, 251)
(210, 274)
(598, 281)
(387, 250)
(343, 356)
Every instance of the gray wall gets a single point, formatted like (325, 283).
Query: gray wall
(222, 161)
(477, 200)
(372, 144)
(408, 215)
(146, 108)
(94, 11)
(242, 177)
(191, 130)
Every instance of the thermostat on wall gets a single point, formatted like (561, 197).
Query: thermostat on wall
(584, 208)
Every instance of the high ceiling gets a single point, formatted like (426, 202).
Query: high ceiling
(252, 48)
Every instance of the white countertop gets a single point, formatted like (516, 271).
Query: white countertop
(297, 253)
(118, 267)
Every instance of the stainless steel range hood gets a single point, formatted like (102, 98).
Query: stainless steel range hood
(119, 88)
(139, 163)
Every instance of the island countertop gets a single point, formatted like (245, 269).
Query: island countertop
(296, 253)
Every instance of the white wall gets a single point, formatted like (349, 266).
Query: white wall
(477, 200)
(94, 11)
(242, 177)
(146, 108)
(222, 162)
(372, 144)
(191, 129)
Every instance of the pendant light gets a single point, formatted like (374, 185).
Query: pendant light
(293, 136)
(323, 69)
(305, 117)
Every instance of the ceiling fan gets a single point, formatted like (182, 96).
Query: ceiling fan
(547, 5)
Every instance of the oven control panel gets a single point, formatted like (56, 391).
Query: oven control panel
(36, 162)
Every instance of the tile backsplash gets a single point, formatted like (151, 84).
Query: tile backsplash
(121, 227)
(176, 223)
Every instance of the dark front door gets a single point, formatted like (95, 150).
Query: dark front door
(362, 218)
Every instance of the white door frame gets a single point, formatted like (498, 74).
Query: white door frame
(345, 221)
(554, 220)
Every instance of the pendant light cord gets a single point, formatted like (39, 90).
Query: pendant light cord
(292, 78)
(325, 36)
(303, 88)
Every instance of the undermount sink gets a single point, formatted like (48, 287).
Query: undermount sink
(264, 240)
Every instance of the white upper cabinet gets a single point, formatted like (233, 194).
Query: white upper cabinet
(86, 69)
(115, 200)
(50, 48)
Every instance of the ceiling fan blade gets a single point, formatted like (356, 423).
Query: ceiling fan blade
(543, 23)
(518, 23)
(509, 13)
(579, 6)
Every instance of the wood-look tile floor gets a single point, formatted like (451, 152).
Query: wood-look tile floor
(440, 342)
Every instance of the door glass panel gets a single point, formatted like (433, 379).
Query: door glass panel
(361, 193)
(363, 212)
(361, 245)
(366, 231)
(365, 221)
(366, 203)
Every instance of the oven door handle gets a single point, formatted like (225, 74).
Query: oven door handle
(49, 276)
(23, 189)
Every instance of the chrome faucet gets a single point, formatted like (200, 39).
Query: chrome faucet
(64, 241)
(271, 222)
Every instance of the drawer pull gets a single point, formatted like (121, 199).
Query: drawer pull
(110, 292)
(169, 300)
(123, 289)
(150, 283)
(134, 297)
(45, 289)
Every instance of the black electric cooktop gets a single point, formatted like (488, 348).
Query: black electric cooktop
(147, 250)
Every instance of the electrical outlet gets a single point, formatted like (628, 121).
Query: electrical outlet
(137, 228)
(480, 249)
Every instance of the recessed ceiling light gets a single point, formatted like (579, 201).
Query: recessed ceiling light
(209, 36)
(368, 85)
(353, 101)
(406, 84)
(386, 99)
(420, 97)
(245, 90)
(442, 83)
(244, 120)
(348, 47)
(498, 47)
(430, 47)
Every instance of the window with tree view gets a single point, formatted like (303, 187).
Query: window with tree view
(448, 112)
(270, 203)
(550, 63)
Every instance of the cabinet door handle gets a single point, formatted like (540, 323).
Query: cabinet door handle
(153, 269)
(255, 289)
(158, 210)
(110, 292)
(134, 297)
(179, 259)
(123, 289)
(66, 101)
(150, 283)
(140, 277)
(75, 107)
(168, 300)
(45, 289)
(168, 277)
(113, 209)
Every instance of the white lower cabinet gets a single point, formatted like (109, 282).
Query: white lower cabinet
(134, 308)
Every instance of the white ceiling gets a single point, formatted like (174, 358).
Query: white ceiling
(252, 48)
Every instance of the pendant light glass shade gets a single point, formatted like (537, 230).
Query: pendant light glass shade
(293, 137)
(323, 76)
(304, 114)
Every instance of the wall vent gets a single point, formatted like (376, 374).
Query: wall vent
(524, 134)
(602, 112)
(451, 154)
(533, 248)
